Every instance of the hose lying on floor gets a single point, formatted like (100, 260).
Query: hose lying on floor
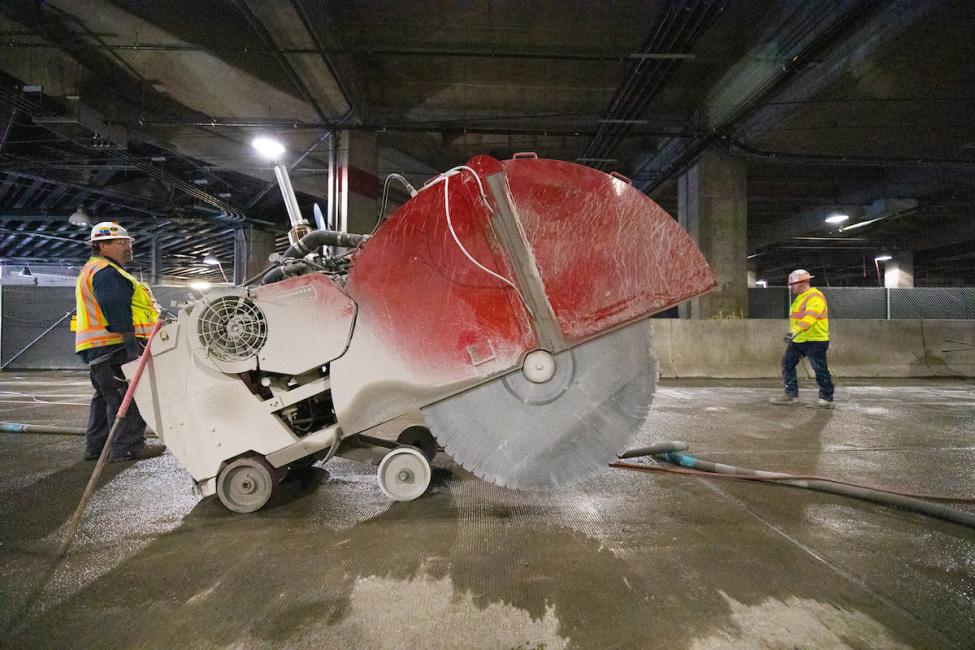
(19, 427)
(915, 502)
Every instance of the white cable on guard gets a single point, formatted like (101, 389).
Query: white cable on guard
(450, 226)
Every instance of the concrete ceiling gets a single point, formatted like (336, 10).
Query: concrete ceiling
(144, 111)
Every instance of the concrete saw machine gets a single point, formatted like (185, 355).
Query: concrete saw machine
(501, 314)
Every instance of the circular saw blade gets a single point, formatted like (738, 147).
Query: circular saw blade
(536, 436)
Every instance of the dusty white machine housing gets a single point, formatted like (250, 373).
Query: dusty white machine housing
(238, 371)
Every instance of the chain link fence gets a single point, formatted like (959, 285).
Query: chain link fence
(950, 303)
(35, 324)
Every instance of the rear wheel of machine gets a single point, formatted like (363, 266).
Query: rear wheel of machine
(246, 484)
(404, 474)
(421, 438)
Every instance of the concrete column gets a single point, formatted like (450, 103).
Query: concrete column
(712, 207)
(356, 183)
(899, 272)
(252, 246)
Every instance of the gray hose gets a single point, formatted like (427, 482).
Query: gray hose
(18, 427)
(867, 494)
(655, 449)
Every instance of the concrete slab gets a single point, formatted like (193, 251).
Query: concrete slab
(625, 560)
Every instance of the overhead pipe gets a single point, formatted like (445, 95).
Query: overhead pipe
(39, 116)
(741, 148)
(796, 63)
(413, 127)
(262, 32)
(678, 32)
(366, 51)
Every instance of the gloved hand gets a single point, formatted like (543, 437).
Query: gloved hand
(788, 337)
(132, 348)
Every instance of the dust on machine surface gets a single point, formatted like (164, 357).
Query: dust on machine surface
(501, 313)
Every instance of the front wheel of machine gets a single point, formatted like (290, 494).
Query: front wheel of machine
(404, 474)
(246, 484)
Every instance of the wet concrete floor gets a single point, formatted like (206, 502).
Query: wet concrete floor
(627, 560)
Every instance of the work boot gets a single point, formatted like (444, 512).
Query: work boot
(821, 404)
(784, 400)
(92, 455)
(139, 453)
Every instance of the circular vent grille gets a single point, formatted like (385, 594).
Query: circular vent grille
(232, 328)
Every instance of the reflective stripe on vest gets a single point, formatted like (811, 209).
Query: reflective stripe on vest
(810, 324)
(92, 326)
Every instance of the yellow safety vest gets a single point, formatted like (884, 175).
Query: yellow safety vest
(90, 324)
(808, 317)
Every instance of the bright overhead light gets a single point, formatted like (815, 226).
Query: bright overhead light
(837, 218)
(268, 147)
(761, 283)
(199, 285)
(211, 260)
(883, 258)
(79, 218)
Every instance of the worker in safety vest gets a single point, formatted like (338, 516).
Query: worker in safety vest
(114, 311)
(808, 337)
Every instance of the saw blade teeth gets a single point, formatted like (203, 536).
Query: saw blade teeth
(529, 436)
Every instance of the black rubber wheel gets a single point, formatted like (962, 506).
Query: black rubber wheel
(421, 438)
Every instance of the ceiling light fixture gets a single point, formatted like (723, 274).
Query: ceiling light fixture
(199, 285)
(883, 257)
(837, 218)
(79, 218)
(268, 147)
(761, 283)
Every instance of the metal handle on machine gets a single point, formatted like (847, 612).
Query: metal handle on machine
(299, 226)
(288, 194)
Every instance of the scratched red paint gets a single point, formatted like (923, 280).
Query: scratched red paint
(606, 254)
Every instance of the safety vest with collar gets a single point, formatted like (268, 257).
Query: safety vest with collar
(809, 317)
(91, 326)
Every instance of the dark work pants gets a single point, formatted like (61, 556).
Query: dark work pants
(110, 386)
(815, 351)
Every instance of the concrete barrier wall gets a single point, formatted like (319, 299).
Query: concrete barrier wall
(858, 348)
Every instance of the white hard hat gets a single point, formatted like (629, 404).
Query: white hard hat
(107, 230)
(799, 275)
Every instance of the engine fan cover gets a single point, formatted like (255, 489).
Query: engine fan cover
(231, 328)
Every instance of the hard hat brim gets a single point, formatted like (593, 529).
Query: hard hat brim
(92, 241)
